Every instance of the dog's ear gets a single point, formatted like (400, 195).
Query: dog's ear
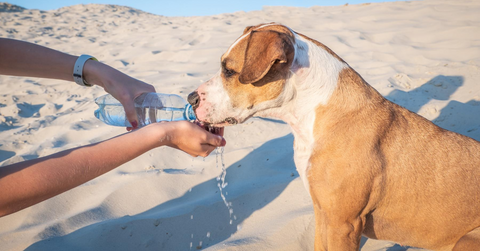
(247, 29)
(264, 49)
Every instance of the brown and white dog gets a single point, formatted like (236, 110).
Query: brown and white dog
(370, 166)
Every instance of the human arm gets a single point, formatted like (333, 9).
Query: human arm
(21, 58)
(27, 183)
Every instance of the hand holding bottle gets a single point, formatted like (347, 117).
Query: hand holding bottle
(150, 107)
(121, 86)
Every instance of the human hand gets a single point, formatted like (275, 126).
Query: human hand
(191, 138)
(121, 86)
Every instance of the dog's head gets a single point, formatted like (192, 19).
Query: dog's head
(253, 75)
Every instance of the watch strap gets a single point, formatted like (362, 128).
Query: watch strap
(78, 70)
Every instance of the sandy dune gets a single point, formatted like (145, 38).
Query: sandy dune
(424, 55)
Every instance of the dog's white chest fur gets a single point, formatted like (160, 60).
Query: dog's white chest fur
(303, 149)
(314, 77)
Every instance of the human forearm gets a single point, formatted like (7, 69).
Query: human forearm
(21, 58)
(30, 60)
(27, 183)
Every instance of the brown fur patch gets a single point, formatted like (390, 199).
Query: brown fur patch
(255, 69)
(403, 177)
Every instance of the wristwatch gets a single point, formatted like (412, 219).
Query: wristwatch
(78, 70)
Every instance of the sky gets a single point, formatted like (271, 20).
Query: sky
(188, 7)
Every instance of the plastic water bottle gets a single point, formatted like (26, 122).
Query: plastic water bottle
(151, 107)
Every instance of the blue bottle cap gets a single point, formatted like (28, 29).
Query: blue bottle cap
(189, 113)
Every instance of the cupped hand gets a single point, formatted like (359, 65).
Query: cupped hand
(121, 86)
(191, 138)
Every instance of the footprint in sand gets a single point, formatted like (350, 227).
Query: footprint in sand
(84, 125)
(32, 82)
(401, 80)
(188, 74)
(4, 155)
(8, 122)
(50, 109)
(59, 142)
(200, 39)
(28, 110)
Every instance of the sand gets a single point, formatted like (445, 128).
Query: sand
(424, 55)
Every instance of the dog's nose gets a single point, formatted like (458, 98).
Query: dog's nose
(194, 99)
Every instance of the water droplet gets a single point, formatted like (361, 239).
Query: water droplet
(221, 185)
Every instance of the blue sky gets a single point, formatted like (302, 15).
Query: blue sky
(188, 7)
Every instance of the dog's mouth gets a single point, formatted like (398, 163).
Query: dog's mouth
(228, 121)
(213, 129)
(216, 128)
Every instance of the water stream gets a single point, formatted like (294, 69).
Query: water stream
(222, 184)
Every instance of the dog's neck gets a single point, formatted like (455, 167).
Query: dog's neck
(313, 79)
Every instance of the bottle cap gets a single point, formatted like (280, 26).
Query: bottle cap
(189, 113)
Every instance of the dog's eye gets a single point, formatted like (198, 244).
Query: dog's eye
(228, 72)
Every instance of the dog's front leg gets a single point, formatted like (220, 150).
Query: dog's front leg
(336, 232)
(341, 195)
(320, 228)
(344, 234)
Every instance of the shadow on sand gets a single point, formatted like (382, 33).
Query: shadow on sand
(463, 118)
(254, 182)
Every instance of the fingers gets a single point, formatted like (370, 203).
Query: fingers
(130, 112)
(129, 106)
(149, 88)
(207, 150)
(215, 140)
(192, 138)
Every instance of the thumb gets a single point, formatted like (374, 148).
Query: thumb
(216, 140)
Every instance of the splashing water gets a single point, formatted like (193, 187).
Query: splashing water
(222, 184)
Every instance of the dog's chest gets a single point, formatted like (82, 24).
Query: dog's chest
(302, 164)
(303, 148)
